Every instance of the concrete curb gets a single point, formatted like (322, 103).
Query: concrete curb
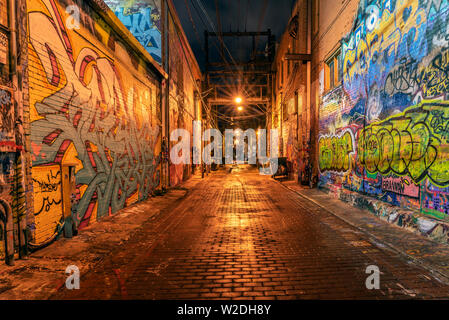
(414, 221)
(442, 276)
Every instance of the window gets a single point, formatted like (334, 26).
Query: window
(331, 66)
(284, 111)
(281, 74)
(340, 67)
(296, 102)
(333, 70)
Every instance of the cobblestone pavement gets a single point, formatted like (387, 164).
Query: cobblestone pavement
(243, 236)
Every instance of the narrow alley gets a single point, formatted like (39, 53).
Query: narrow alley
(194, 150)
(239, 235)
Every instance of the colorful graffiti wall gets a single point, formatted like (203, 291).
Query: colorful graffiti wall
(94, 106)
(143, 20)
(6, 199)
(385, 131)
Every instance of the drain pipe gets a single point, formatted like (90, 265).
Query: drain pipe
(309, 119)
(9, 233)
(167, 88)
(19, 131)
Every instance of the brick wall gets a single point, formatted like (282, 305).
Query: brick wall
(7, 155)
(184, 72)
(143, 18)
(384, 131)
(13, 140)
(94, 103)
(291, 114)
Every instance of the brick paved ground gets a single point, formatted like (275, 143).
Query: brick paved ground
(244, 236)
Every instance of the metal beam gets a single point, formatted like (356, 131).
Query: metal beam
(258, 72)
(230, 102)
(239, 34)
(298, 57)
(238, 63)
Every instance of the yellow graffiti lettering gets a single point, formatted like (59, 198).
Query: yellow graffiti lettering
(335, 152)
(412, 143)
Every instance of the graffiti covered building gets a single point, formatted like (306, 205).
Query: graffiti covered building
(290, 111)
(85, 131)
(95, 116)
(143, 18)
(156, 25)
(184, 90)
(13, 141)
(383, 127)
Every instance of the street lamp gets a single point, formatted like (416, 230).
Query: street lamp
(238, 100)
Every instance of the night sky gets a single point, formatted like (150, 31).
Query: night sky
(234, 15)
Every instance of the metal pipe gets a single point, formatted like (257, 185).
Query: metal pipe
(167, 89)
(309, 119)
(9, 233)
(19, 133)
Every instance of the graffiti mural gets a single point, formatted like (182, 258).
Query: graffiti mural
(435, 201)
(7, 122)
(89, 111)
(143, 19)
(400, 185)
(47, 188)
(6, 187)
(412, 143)
(336, 151)
(394, 97)
(292, 146)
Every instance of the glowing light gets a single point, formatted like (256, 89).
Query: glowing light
(240, 108)
(238, 100)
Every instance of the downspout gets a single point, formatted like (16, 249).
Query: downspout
(9, 233)
(309, 119)
(19, 132)
(281, 117)
(167, 90)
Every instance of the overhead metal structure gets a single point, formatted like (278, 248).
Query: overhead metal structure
(226, 77)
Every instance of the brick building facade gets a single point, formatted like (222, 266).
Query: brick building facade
(14, 131)
(87, 103)
(378, 108)
(184, 96)
(291, 101)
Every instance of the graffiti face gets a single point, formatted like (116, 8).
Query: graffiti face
(83, 114)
